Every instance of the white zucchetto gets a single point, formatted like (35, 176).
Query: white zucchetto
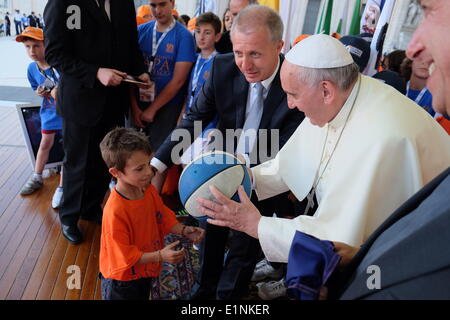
(319, 51)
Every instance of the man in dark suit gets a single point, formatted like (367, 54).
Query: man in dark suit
(94, 46)
(409, 254)
(236, 84)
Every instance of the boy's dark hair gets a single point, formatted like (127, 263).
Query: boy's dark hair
(119, 144)
(209, 18)
(185, 18)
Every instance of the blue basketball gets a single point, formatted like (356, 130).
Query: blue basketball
(220, 169)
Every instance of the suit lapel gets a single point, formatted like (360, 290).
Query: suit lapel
(240, 90)
(408, 207)
(94, 10)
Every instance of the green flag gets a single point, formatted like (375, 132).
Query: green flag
(342, 25)
(355, 26)
(325, 18)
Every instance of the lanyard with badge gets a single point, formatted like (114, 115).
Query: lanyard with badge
(148, 94)
(420, 95)
(50, 81)
(196, 75)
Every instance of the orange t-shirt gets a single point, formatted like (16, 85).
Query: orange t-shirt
(130, 228)
(444, 123)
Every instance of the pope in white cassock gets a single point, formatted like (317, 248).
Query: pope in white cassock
(363, 150)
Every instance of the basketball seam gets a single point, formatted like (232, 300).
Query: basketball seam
(211, 178)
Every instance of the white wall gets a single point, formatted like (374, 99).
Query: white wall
(26, 6)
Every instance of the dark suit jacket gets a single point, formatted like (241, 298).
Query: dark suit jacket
(411, 248)
(225, 94)
(79, 53)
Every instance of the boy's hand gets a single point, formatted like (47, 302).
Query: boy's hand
(110, 77)
(145, 78)
(136, 115)
(41, 92)
(148, 115)
(170, 255)
(54, 92)
(194, 234)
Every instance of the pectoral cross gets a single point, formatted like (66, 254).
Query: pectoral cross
(310, 198)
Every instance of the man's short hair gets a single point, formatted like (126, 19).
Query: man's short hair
(255, 16)
(209, 18)
(119, 144)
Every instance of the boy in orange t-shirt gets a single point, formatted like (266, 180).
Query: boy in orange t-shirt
(135, 221)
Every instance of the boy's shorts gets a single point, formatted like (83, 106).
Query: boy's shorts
(126, 290)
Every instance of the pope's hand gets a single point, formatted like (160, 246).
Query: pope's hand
(243, 216)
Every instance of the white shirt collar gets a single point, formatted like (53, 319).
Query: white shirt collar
(268, 82)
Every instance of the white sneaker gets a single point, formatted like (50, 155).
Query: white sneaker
(266, 271)
(32, 185)
(271, 290)
(261, 263)
(57, 198)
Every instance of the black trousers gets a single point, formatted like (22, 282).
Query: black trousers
(126, 290)
(230, 279)
(86, 177)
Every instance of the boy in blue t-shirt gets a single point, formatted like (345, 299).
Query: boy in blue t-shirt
(207, 33)
(43, 79)
(169, 58)
(169, 53)
(416, 88)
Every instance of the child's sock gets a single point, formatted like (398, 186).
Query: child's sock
(37, 176)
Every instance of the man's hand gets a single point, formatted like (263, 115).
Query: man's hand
(346, 252)
(242, 216)
(194, 234)
(110, 77)
(168, 254)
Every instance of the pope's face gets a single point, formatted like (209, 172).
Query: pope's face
(255, 54)
(301, 96)
(430, 40)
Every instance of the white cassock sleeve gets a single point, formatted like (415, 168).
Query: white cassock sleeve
(267, 179)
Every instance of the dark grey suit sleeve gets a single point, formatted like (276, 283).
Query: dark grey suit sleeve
(202, 112)
(58, 47)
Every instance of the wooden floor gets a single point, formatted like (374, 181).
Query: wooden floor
(34, 256)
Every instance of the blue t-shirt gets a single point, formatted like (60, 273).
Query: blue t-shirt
(177, 46)
(49, 119)
(24, 21)
(205, 71)
(426, 101)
